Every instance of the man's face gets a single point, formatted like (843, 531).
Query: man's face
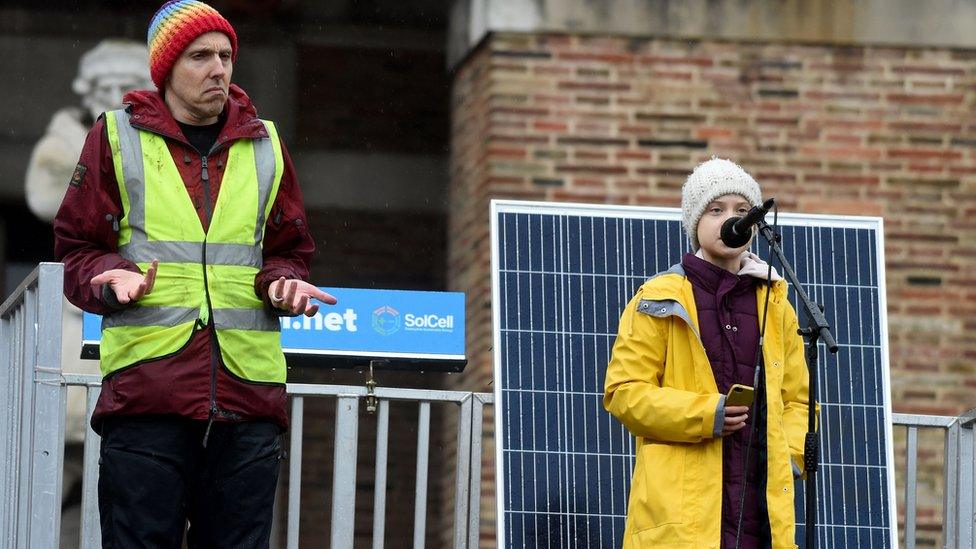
(710, 226)
(197, 87)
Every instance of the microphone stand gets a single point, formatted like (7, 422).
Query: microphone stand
(817, 328)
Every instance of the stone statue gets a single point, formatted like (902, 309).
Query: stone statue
(105, 74)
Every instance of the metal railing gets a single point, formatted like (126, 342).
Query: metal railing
(32, 402)
(33, 391)
(467, 492)
(32, 414)
(960, 484)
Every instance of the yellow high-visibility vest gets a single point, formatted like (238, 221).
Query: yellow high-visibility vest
(202, 276)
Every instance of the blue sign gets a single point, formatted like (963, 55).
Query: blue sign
(393, 324)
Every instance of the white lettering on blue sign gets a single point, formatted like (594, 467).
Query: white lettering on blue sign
(332, 321)
(428, 322)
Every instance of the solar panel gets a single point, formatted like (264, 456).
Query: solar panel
(562, 274)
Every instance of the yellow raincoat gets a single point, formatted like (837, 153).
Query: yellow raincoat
(660, 386)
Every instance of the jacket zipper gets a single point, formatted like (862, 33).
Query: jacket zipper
(214, 346)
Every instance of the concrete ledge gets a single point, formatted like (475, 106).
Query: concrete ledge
(940, 23)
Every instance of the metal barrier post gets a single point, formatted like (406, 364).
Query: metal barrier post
(965, 491)
(47, 438)
(91, 529)
(911, 466)
(344, 472)
(295, 470)
(420, 496)
(474, 505)
(379, 489)
(950, 499)
(462, 475)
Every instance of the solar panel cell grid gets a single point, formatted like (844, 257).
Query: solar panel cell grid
(561, 277)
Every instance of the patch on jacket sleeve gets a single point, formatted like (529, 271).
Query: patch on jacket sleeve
(656, 308)
(78, 176)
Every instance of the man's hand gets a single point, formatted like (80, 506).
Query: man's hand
(127, 285)
(735, 419)
(295, 296)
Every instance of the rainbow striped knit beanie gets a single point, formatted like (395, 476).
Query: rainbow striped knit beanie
(174, 26)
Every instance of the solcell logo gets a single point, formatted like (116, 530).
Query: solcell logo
(386, 320)
(428, 323)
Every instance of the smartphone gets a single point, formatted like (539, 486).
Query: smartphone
(739, 395)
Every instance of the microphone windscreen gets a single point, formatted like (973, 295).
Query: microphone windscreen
(730, 238)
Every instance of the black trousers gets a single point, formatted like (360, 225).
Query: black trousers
(155, 475)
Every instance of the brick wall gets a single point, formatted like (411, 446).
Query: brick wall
(880, 131)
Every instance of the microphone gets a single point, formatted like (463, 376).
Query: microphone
(736, 231)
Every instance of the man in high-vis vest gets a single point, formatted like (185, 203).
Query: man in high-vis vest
(183, 225)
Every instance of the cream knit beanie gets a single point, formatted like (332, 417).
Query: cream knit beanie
(710, 180)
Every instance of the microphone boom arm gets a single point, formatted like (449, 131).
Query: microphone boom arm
(817, 329)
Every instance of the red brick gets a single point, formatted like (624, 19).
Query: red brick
(676, 60)
(524, 111)
(861, 153)
(672, 75)
(923, 168)
(871, 180)
(518, 138)
(593, 86)
(549, 70)
(926, 99)
(590, 155)
(634, 129)
(838, 138)
(575, 168)
(503, 152)
(546, 126)
(840, 96)
(710, 132)
(601, 57)
(633, 155)
(925, 69)
(938, 127)
(554, 99)
(924, 153)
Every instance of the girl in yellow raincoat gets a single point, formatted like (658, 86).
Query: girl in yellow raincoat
(672, 363)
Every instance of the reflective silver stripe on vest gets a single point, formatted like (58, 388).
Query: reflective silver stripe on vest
(234, 254)
(150, 316)
(192, 252)
(223, 254)
(245, 319)
(133, 172)
(264, 163)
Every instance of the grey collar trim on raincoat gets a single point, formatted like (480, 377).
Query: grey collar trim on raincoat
(662, 308)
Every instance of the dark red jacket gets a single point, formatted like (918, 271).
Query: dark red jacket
(729, 324)
(86, 241)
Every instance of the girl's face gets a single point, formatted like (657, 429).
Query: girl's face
(710, 228)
